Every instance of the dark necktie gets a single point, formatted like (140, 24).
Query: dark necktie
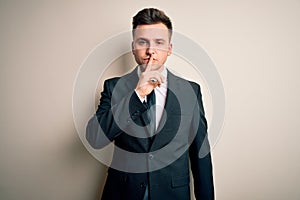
(151, 110)
(151, 115)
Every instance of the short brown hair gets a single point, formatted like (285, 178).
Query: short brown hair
(151, 16)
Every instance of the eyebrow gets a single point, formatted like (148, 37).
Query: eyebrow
(160, 39)
(146, 39)
(141, 38)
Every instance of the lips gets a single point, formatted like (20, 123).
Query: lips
(146, 60)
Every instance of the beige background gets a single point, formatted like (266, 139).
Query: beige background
(254, 44)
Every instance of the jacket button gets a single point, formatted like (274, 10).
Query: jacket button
(143, 185)
(151, 156)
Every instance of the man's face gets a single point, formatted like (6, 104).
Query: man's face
(152, 40)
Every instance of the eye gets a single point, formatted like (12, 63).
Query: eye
(160, 42)
(142, 42)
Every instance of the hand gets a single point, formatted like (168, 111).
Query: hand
(149, 79)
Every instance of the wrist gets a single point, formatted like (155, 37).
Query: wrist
(140, 94)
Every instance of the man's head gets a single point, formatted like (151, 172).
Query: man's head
(150, 16)
(152, 31)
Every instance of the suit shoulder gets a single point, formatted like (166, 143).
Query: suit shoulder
(109, 85)
(196, 87)
(113, 80)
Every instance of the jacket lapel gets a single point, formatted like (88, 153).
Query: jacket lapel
(171, 117)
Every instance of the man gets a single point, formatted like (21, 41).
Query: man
(155, 116)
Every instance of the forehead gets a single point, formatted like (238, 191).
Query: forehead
(151, 31)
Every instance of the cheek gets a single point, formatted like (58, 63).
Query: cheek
(138, 56)
(139, 53)
(164, 55)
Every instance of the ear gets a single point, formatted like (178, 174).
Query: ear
(170, 49)
(132, 48)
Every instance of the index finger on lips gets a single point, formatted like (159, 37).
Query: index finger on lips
(148, 66)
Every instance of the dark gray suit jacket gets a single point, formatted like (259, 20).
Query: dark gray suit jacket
(182, 132)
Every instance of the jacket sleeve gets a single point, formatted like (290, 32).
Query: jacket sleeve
(199, 152)
(113, 119)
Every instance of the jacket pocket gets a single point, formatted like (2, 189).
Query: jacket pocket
(180, 181)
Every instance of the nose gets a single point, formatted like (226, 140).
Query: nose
(150, 49)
